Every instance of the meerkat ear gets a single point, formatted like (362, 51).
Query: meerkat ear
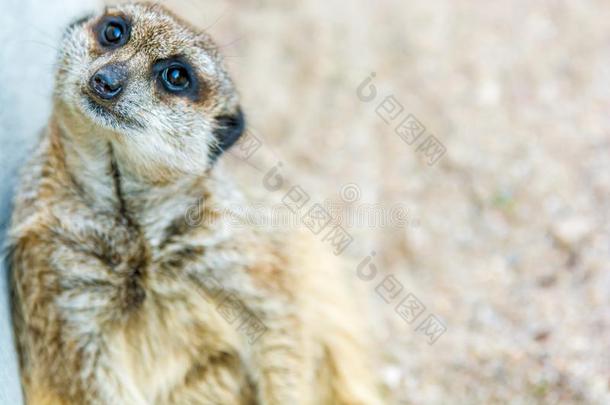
(229, 129)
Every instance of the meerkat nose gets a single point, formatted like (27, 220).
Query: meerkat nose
(108, 81)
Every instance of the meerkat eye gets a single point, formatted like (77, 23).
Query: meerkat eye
(113, 32)
(175, 78)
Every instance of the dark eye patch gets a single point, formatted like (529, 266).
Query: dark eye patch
(113, 31)
(176, 76)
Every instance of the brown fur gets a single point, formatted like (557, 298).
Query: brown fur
(111, 297)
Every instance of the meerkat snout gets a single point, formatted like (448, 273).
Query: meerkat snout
(107, 83)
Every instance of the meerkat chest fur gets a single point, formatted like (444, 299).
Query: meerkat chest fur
(146, 266)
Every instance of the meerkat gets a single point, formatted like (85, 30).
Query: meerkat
(117, 298)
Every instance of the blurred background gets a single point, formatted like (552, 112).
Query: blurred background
(507, 238)
(504, 238)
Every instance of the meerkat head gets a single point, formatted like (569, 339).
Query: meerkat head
(152, 86)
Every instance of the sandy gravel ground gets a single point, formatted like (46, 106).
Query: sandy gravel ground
(505, 239)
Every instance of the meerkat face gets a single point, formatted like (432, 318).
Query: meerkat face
(154, 87)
